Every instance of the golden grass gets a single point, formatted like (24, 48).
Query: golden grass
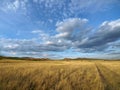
(59, 75)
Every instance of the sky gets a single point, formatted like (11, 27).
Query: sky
(60, 28)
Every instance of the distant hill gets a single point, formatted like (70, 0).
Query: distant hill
(67, 59)
(24, 58)
(88, 59)
(47, 59)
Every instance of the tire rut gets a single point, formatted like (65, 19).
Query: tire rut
(102, 70)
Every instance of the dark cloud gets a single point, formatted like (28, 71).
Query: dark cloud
(107, 33)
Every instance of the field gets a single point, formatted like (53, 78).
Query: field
(59, 75)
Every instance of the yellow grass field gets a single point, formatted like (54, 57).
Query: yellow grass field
(59, 75)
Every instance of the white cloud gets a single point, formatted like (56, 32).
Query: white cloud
(49, 42)
(91, 6)
(14, 5)
(63, 35)
(11, 46)
(69, 24)
(71, 28)
(42, 35)
(37, 31)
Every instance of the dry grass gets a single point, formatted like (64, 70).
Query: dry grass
(59, 75)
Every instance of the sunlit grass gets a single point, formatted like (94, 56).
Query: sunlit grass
(59, 75)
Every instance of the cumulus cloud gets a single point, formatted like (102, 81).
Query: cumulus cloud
(18, 46)
(73, 33)
(107, 32)
(71, 28)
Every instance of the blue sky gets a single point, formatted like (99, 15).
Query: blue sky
(60, 28)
